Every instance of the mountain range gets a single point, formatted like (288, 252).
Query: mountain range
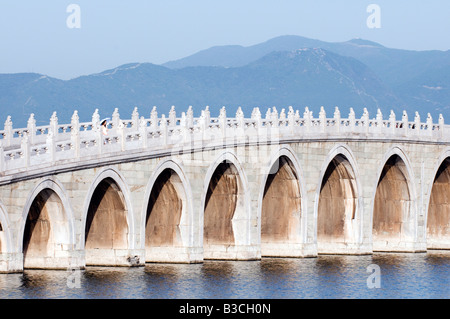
(284, 71)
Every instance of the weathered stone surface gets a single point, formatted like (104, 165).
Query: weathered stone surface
(220, 205)
(281, 205)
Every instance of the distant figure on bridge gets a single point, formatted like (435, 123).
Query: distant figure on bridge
(103, 125)
(104, 128)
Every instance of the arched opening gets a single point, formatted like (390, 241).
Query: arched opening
(222, 202)
(392, 207)
(106, 222)
(46, 231)
(281, 206)
(336, 207)
(164, 212)
(438, 221)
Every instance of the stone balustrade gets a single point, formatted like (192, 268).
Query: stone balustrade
(22, 149)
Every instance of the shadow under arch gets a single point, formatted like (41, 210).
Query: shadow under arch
(438, 210)
(47, 238)
(108, 221)
(281, 208)
(168, 221)
(226, 211)
(338, 205)
(394, 205)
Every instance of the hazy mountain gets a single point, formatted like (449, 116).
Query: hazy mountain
(236, 55)
(309, 77)
(429, 90)
(279, 72)
(401, 70)
(393, 66)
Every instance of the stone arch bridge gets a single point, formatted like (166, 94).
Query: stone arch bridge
(186, 189)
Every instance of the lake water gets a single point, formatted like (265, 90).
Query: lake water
(424, 275)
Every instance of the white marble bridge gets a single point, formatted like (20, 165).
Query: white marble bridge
(186, 189)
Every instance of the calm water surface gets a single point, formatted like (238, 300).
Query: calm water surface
(402, 276)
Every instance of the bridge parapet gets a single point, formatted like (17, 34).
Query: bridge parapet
(37, 147)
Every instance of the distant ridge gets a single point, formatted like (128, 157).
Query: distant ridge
(283, 71)
(236, 55)
(393, 66)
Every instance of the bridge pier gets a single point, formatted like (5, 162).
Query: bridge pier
(11, 262)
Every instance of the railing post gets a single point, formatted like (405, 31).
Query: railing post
(154, 118)
(441, 125)
(240, 117)
(96, 130)
(291, 119)
(239, 130)
(207, 116)
(31, 127)
(337, 119)
(190, 117)
(184, 127)
(172, 116)
(75, 133)
(95, 120)
(121, 133)
(143, 131)
(25, 146)
(307, 119)
(429, 125)
(283, 117)
(365, 120)
(115, 118)
(135, 119)
(223, 121)
(322, 119)
(392, 123)
(352, 120)
(8, 132)
(417, 124)
(274, 117)
(256, 116)
(54, 124)
(379, 120)
(405, 123)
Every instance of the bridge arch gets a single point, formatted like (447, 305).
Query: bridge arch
(282, 229)
(338, 204)
(394, 204)
(47, 236)
(108, 223)
(226, 209)
(437, 210)
(167, 217)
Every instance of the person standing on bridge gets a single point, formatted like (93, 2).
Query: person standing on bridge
(104, 128)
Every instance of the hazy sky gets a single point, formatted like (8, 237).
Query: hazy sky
(35, 36)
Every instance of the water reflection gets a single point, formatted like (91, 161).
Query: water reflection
(402, 276)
